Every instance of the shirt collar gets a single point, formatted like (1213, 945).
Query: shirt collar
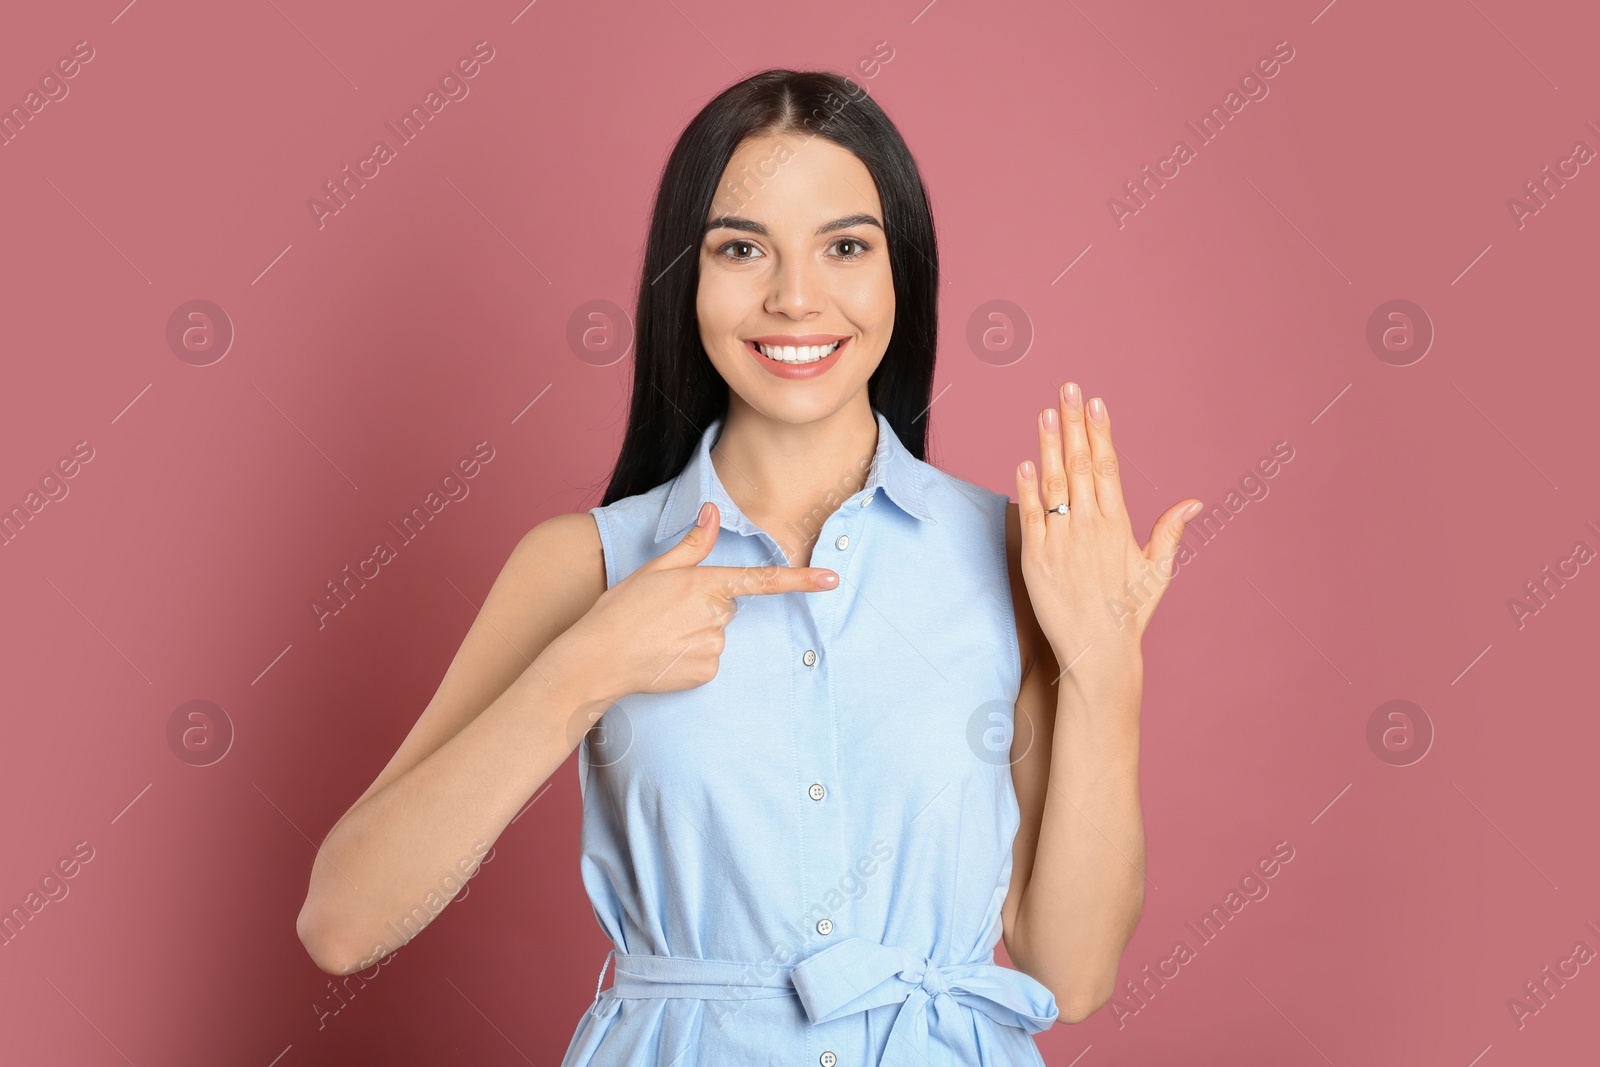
(895, 469)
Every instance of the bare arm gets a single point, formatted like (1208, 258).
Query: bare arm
(1085, 887)
(1092, 590)
(1077, 881)
(510, 709)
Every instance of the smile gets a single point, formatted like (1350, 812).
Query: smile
(796, 355)
(796, 361)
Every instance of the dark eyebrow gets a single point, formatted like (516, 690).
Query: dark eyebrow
(735, 222)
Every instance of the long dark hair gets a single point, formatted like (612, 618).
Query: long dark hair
(677, 391)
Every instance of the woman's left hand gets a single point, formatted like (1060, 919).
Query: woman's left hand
(1092, 587)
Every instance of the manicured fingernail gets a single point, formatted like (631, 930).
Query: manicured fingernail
(705, 514)
(1048, 417)
(827, 581)
(1027, 469)
(1074, 397)
(1192, 510)
(1097, 410)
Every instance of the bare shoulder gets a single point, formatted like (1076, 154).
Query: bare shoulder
(564, 555)
(554, 575)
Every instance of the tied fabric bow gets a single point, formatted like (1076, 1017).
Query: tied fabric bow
(855, 975)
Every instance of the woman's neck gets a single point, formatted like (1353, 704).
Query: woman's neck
(789, 478)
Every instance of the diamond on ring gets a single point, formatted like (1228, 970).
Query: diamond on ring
(1060, 509)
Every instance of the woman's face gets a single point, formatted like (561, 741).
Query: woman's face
(795, 255)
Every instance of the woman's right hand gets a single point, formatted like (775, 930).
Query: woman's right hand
(661, 628)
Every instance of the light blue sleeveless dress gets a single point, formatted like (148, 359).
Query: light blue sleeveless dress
(803, 861)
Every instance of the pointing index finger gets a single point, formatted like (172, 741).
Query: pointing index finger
(760, 581)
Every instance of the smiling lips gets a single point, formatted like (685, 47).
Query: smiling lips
(797, 356)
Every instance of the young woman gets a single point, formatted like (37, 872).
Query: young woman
(828, 753)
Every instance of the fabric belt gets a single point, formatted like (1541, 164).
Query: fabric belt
(850, 976)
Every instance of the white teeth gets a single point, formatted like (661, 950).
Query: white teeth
(797, 354)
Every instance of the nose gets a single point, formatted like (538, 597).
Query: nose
(796, 290)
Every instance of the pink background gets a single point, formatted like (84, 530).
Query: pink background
(1230, 313)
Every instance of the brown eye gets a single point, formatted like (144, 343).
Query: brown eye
(737, 244)
(861, 247)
